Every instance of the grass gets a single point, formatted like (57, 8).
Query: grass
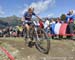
(13, 51)
(18, 39)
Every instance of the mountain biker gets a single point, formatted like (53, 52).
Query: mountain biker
(27, 19)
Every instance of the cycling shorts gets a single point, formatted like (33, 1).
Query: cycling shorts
(27, 22)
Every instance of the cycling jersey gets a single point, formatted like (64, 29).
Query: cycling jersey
(28, 15)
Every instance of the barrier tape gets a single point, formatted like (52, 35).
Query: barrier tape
(61, 34)
(7, 53)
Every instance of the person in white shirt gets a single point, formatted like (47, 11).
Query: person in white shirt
(57, 26)
(46, 24)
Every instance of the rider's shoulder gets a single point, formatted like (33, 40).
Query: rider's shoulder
(33, 13)
(25, 13)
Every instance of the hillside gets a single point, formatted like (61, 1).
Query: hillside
(9, 21)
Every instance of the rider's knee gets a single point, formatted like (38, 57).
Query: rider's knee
(27, 26)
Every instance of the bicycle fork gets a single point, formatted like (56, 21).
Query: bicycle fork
(36, 33)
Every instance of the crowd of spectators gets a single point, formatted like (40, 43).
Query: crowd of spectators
(48, 25)
(11, 32)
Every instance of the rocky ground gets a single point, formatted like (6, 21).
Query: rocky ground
(60, 50)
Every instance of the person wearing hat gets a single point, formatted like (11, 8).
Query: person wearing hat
(70, 20)
(69, 16)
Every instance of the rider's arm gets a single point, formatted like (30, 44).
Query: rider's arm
(36, 16)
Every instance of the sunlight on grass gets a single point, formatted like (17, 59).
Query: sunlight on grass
(13, 38)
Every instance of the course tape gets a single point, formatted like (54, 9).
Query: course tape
(61, 34)
(7, 53)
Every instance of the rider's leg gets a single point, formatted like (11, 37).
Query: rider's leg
(27, 27)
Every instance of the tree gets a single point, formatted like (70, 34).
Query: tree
(3, 24)
(63, 17)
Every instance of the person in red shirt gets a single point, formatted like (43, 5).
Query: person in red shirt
(41, 24)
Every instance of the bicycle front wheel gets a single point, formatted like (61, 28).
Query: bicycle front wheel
(42, 41)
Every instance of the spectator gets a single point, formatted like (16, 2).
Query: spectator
(57, 26)
(69, 16)
(46, 24)
(52, 21)
(41, 24)
(1, 33)
(19, 31)
(10, 30)
(70, 20)
(52, 26)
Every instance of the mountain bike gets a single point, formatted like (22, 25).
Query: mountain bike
(37, 34)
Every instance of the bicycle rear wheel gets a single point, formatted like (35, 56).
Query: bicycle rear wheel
(42, 41)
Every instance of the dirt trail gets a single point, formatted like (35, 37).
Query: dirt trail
(59, 51)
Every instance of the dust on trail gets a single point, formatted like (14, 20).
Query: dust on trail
(60, 50)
